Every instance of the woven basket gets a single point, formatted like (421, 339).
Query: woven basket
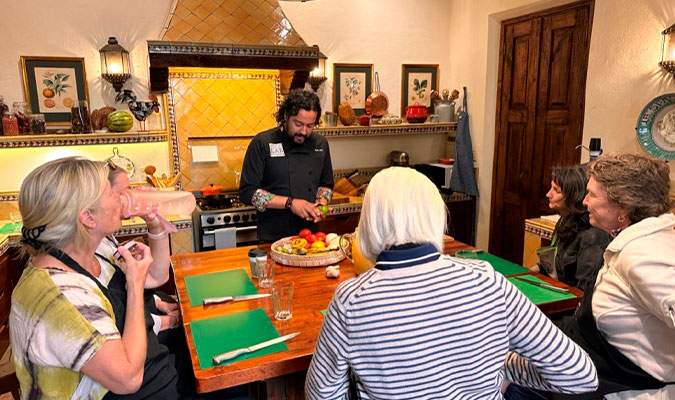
(314, 260)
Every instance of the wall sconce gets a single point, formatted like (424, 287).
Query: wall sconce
(668, 50)
(114, 64)
(318, 75)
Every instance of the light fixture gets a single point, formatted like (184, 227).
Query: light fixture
(668, 49)
(115, 64)
(318, 75)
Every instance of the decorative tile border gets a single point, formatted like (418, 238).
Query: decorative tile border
(9, 197)
(142, 229)
(389, 130)
(218, 49)
(11, 142)
(541, 232)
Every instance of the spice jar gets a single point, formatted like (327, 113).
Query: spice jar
(19, 111)
(10, 126)
(80, 119)
(37, 123)
(3, 109)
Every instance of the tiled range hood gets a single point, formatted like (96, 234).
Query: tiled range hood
(230, 34)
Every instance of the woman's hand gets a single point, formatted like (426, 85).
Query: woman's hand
(165, 306)
(136, 271)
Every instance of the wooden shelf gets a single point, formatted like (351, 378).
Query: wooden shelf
(72, 139)
(388, 130)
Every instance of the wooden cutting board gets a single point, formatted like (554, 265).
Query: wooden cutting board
(339, 199)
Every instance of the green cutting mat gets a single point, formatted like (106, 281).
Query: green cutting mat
(218, 335)
(226, 283)
(538, 295)
(504, 267)
(7, 228)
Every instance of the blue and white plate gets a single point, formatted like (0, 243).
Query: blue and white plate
(656, 127)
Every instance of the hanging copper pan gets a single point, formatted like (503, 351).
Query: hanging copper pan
(377, 103)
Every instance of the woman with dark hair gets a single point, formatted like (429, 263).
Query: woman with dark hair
(626, 320)
(576, 250)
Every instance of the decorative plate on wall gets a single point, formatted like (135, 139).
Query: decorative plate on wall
(656, 127)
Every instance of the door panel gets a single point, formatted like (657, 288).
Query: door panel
(539, 116)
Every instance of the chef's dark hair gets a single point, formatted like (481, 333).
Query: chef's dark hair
(296, 100)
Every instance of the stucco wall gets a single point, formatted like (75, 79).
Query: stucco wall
(623, 75)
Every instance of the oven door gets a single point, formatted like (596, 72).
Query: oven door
(229, 237)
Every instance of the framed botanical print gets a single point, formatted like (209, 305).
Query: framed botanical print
(52, 85)
(352, 83)
(418, 80)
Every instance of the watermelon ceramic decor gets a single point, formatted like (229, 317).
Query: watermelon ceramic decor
(120, 121)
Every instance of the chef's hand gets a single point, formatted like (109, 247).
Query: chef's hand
(306, 210)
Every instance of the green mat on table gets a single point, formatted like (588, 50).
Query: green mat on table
(225, 333)
(504, 267)
(538, 295)
(225, 283)
(8, 228)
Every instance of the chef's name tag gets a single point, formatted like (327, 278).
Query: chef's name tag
(277, 150)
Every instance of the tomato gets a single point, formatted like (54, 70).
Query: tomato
(320, 236)
(308, 245)
(311, 238)
(304, 233)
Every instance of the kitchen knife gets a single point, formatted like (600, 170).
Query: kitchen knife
(245, 350)
(223, 299)
(544, 285)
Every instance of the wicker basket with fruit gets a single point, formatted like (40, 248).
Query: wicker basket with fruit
(307, 249)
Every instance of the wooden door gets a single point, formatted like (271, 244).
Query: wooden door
(541, 88)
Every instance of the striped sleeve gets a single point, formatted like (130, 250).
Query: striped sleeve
(541, 356)
(328, 375)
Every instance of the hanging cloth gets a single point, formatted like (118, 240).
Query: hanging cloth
(463, 178)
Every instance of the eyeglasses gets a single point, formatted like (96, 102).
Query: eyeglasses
(111, 164)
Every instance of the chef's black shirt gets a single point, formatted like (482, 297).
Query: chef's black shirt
(297, 171)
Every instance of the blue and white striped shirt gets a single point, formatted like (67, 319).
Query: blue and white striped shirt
(425, 326)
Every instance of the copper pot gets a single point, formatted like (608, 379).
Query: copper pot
(416, 113)
(378, 102)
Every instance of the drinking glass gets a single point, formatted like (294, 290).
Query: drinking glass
(265, 272)
(282, 299)
(15, 217)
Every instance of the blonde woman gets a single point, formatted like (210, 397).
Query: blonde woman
(72, 336)
(422, 325)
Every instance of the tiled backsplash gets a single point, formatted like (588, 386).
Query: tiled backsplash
(224, 108)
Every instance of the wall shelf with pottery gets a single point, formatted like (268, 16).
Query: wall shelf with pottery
(54, 140)
(432, 128)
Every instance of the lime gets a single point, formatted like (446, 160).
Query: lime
(323, 208)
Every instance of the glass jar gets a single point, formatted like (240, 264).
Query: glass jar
(19, 110)
(3, 109)
(80, 119)
(37, 124)
(10, 125)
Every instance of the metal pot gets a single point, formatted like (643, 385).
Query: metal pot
(399, 159)
(211, 190)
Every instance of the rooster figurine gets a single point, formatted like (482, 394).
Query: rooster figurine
(140, 109)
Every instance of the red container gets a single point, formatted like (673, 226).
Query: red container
(416, 113)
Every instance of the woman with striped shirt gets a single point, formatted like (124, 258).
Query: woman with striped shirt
(424, 325)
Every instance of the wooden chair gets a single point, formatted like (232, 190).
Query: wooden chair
(8, 381)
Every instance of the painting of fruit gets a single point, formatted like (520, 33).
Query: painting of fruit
(48, 93)
(68, 102)
(56, 82)
(49, 103)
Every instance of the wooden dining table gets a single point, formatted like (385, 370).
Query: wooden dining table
(313, 293)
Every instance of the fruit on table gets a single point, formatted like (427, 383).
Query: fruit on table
(120, 121)
(298, 243)
(330, 237)
(311, 238)
(320, 236)
(322, 208)
(318, 245)
(303, 233)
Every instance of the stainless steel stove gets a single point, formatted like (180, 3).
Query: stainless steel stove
(222, 221)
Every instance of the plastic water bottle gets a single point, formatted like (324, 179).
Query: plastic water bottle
(142, 202)
(594, 149)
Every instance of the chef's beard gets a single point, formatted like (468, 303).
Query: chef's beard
(299, 138)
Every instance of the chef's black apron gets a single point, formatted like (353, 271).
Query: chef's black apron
(616, 373)
(159, 375)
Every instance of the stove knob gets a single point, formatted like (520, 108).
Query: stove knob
(210, 220)
(244, 217)
(226, 219)
(254, 217)
(235, 218)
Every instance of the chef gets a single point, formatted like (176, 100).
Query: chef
(287, 173)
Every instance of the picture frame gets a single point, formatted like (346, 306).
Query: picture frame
(52, 85)
(352, 83)
(417, 82)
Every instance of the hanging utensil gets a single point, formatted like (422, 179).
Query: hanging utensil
(378, 102)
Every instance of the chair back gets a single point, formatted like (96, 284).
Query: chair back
(8, 279)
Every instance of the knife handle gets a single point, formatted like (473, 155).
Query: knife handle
(214, 300)
(230, 355)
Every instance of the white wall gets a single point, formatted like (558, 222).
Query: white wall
(387, 34)
(623, 75)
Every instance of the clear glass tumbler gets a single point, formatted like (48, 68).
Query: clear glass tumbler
(282, 299)
(265, 272)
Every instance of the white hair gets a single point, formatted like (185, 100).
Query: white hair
(400, 206)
